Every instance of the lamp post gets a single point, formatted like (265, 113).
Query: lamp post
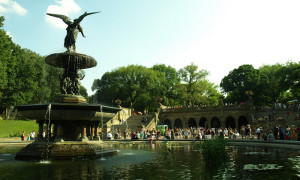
(249, 93)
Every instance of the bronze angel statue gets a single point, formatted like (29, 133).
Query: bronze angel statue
(72, 29)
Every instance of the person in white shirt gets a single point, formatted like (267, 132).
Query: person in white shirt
(226, 132)
(109, 135)
(32, 135)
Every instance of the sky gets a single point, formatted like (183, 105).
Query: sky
(216, 35)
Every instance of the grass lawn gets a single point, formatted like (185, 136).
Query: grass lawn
(14, 128)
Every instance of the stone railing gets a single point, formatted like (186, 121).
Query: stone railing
(294, 109)
(151, 124)
(206, 108)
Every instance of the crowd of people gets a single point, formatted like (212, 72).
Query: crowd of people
(245, 132)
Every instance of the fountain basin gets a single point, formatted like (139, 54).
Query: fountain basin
(71, 60)
(67, 112)
(38, 151)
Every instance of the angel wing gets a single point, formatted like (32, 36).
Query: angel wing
(66, 19)
(77, 21)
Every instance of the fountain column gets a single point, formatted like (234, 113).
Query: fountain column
(40, 136)
(92, 131)
(83, 133)
(96, 136)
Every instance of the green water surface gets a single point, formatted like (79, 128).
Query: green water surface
(161, 161)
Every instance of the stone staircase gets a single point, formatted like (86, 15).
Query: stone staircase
(140, 121)
(137, 122)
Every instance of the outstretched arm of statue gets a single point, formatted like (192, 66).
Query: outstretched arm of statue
(82, 33)
(81, 30)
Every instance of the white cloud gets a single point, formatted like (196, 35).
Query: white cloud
(11, 7)
(9, 34)
(65, 7)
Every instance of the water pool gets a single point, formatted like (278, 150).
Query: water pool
(161, 161)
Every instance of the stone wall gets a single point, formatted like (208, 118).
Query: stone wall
(228, 115)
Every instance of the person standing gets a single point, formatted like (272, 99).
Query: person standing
(226, 132)
(247, 131)
(23, 136)
(32, 135)
(258, 133)
(172, 134)
(124, 133)
(109, 135)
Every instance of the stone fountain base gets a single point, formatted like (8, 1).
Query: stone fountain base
(68, 98)
(37, 151)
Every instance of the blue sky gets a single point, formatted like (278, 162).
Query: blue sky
(217, 35)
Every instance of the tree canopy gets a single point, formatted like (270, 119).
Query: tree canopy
(242, 79)
(141, 87)
(135, 85)
(24, 76)
(172, 80)
(195, 89)
(269, 83)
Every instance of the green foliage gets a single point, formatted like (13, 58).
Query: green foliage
(172, 80)
(214, 151)
(132, 84)
(5, 51)
(140, 87)
(1, 21)
(24, 77)
(276, 89)
(269, 83)
(244, 78)
(289, 76)
(14, 128)
(195, 88)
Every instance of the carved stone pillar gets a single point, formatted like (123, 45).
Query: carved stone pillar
(83, 133)
(96, 134)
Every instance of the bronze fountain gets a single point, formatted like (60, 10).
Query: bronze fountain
(72, 123)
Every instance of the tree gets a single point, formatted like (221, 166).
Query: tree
(134, 84)
(276, 89)
(289, 76)
(244, 78)
(5, 47)
(171, 97)
(195, 88)
(24, 77)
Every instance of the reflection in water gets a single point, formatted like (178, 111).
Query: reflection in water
(44, 162)
(161, 161)
(102, 159)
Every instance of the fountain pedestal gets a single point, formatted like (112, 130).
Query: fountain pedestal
(67, 98)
